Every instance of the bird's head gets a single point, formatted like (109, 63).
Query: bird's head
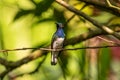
(59, 25)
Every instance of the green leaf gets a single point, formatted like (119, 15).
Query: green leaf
(22, 13)
(40, 8)
(43, 6)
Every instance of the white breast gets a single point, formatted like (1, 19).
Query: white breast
(58, 43)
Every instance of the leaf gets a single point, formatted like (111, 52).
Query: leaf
(59, 16)
(44, 20)
(22, 13)
(104, 66)
(40, 8)
(43, 6)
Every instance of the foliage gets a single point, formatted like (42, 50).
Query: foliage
(31, 24)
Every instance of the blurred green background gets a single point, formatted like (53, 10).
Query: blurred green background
(31, 23)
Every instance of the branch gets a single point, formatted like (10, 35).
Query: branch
(25, 60)
(74, 15)
(108, 41)
(4, 73)
(115, 7)
(104, 7)
(13, 76)
(6, 50)
(5, 62)
(98, 25)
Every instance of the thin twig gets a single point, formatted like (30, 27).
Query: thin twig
(48, 49)
(74, 14)
(109, 41)
(109, 3)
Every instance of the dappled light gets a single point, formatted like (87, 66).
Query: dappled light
(59, 40)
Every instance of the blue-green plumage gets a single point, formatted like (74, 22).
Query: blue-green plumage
(57, 42)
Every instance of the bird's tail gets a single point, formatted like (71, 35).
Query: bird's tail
(54, 58)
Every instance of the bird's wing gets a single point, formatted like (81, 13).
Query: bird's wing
(53, 39)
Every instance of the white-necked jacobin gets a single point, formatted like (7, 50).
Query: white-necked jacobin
(57, 43)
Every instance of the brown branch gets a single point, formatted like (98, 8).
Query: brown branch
(83, 37)
(104, 7)
(19, 49)
(4, 62)
(13, 76)
(108, 41)
(14, 65)
(112, 6)
(5, 72)
(98, 25)
(74, 15)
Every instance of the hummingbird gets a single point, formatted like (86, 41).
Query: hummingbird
(57, 43)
